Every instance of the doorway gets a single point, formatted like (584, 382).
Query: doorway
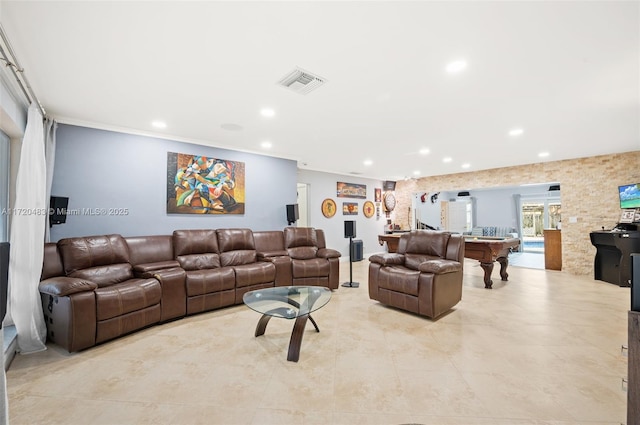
(303, 204)
(537, 215)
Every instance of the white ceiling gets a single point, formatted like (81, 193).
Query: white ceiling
(565, 72)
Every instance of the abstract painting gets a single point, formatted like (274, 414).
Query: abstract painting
(199, 184)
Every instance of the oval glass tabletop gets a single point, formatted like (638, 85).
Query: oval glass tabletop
(287, 302)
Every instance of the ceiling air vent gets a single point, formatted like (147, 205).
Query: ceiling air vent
(301, 81)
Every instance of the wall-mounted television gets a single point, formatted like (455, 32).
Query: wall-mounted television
(629, 196)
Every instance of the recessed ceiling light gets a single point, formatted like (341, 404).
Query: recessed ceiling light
(447, 159)
(543, 154)
(456, 66)
(267, 112)
(368, 162)
(266, 144)
(159, 124)
(424, 151)
(466, 165)
(516, 132)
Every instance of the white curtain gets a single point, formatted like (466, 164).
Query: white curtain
(27, 237)
(50, 127)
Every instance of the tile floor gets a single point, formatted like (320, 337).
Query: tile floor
(543, 348)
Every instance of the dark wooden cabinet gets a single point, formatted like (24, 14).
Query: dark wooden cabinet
(633, 374)
(613, 255)
(552, 249)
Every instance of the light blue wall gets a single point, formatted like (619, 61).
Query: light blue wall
(106, 169)
(323, 186)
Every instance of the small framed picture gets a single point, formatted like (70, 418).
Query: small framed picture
(627, 216)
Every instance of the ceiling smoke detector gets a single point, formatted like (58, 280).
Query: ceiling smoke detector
(301, 81)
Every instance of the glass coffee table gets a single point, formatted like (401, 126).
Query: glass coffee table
(288, 302)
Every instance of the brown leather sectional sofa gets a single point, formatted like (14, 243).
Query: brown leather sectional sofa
(424, 276)
(97, 288)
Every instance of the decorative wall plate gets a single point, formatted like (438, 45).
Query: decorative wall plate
(329, 208)
(368, 209)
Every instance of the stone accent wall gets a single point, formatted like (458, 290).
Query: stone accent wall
(588, 190)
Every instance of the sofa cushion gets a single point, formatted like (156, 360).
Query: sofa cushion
(126, 297)
(92, 251)
(399, 279)
(199, 261)
(303, 252)
(269, 242)
(239, 257)
(52, 262)
(413, 261)
(428, 242)
(200, 282)
(489, 231)
(387, 259)
(235, 239)
(440, 266)
(253, 274)
(150, 249)
(300, 236)
(105, 275)
(310, 268)
(187, 242)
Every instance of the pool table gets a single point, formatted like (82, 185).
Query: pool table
(391, 239)
(487, 249)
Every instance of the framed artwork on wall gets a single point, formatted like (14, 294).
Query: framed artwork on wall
(329, 208)
(349, 208)
(378, 192)
(351, 190)
(204, 185)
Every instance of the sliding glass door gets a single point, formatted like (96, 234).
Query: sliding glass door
(537, 214)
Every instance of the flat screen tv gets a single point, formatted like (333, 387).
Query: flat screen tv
(629, 196)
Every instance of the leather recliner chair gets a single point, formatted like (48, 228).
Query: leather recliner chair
(312, 263)
(238, 251)
(208, 285)
(424, 276)
(90, 295)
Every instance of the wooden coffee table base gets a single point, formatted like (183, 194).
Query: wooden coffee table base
(296, 334)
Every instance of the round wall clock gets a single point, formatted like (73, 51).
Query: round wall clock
(328, 208)
(368, 209)
(389, 201)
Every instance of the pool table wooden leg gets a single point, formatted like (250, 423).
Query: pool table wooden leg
(504, 262)
(488, 268)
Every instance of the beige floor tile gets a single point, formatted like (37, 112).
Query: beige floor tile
(542, 348)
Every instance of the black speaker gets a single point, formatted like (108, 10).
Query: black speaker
(635, 282)
(4, 278)
(58, 210)
(350, 229)
(292, 213)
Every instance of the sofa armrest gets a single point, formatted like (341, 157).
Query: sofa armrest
(387, 259)
(147, 270)
(440, 266)
(62, 286)
(174, 293)
(271, 254)
(328, 253)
